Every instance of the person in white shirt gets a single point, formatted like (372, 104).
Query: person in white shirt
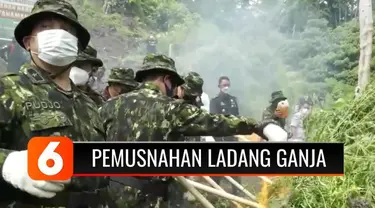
(206, 101)
(206, 106)
(296, 125)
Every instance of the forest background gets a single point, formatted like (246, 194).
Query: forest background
(298, 46)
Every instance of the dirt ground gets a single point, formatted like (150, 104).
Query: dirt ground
(111, 45)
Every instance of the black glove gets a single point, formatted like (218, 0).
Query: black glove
(261, 125)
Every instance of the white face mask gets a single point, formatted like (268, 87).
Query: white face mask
(79, 76)
(305, 111)
(57, 47)
(225, 89)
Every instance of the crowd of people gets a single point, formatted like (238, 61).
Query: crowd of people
(14, 56)
(51, 96)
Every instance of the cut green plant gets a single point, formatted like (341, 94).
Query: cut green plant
(352, 123)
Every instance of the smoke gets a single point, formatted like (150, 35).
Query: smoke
(228, 40)
(242, 45)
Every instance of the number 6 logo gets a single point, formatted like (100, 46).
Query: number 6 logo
(50, 158)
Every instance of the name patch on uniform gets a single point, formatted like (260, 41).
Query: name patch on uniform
(42, 104)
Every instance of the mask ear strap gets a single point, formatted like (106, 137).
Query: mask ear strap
(53, 76)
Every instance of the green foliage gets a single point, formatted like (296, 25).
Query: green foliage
(92, 16)
(326, 55)
(317, 49)
(351, 122)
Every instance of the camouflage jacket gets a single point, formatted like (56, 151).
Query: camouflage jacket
(269, 114)
(145, 114)
(96, 97)
(106, 94)
(32, 105)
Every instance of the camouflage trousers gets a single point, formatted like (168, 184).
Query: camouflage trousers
(128, 197)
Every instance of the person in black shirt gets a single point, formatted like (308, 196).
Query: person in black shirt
(151, 44)
(224, 103)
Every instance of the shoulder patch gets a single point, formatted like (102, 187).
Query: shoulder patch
(35, 76)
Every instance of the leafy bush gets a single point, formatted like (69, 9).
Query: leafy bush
(353, 124)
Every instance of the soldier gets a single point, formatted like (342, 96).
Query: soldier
(271, 113)
(150, 113)
(83, 68)
(41, 101)
(151, 44)
(190, 92)
(120, 81)
(193, 89)
(225, 103)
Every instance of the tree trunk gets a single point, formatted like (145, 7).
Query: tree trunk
(365, 23)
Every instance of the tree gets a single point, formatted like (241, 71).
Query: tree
(365, 23)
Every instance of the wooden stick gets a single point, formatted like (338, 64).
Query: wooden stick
(266, 179)
(224, 194)
(186, 183)
(240, 187)
(244, 139)
(215, 185)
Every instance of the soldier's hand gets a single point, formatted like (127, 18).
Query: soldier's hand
(260, 127)
(15, 172)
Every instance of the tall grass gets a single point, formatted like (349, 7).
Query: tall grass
(354, 124)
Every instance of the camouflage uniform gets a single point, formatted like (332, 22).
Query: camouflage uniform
(96, 97)
(123, 77)
(146, 114)
(90, 55)
(151, 44)
(269, 112)
(31, 104)
(192, 90)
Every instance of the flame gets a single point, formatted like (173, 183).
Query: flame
(263, 195)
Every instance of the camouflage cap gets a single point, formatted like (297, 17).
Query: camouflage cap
(193, 84)
(45, 8)
(123, 76)
(159, 63)
(277, 95)
(89, 55)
